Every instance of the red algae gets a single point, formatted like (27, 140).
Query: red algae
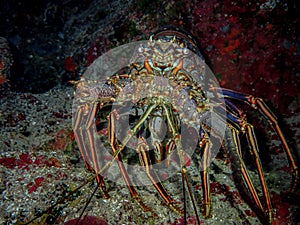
(282, 213)
(246, 47)
(70, 65)
(87, 220)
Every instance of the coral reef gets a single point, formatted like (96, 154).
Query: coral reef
(252, 47)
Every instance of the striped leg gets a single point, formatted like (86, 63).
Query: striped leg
(142, 151)
(205, 155)
(114, 145)
(238, 119)
(237, 123)
(268, 210)
(181, 153)
(260, 105)
(84, 128)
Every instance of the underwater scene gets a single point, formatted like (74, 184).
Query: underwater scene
(149, 112)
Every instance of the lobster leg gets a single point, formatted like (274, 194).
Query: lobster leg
(254, 150)
(130, 134)
(248, 129)
(80, 136)
(260, 105)
(205, 145)
(145, 161)
(80, 130)
(117, 148)
(177, 139)
(114, 145)
(247, 178)
(237, 123)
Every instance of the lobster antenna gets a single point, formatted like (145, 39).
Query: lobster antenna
(185, 178)
(88, 202)
(184, 197)
(62, 199)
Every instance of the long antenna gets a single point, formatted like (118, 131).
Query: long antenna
(184, 197)
(88, 202)
(62, 199)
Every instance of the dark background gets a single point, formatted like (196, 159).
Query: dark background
(252, 46)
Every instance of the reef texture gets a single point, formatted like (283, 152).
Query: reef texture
(251, 46)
